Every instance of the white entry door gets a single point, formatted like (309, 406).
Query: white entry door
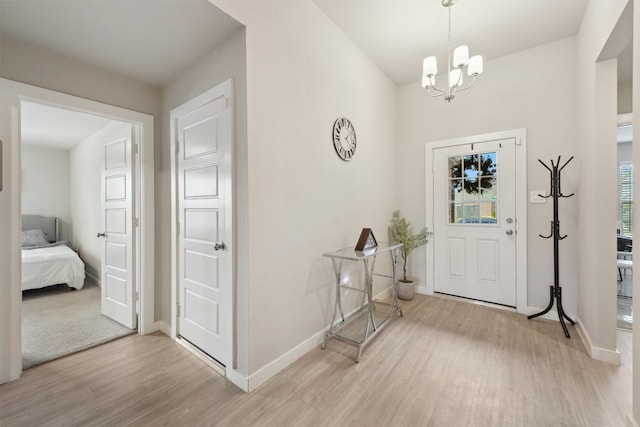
(474, 221)
(118, 267)
(203, 143)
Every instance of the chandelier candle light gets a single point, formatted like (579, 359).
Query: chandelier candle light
(454, 67)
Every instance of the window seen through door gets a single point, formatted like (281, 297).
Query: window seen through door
(625, 198)
(473, 189)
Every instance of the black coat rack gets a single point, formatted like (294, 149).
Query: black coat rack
(555, 290)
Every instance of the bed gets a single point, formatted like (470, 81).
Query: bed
(46, 261)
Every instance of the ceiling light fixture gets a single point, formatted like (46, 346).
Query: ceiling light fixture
(455, 66)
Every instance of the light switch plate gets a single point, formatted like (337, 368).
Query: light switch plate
(535, 197)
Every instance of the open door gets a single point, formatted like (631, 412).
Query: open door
(118, 267)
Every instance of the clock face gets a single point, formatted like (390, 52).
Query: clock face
(344, 138)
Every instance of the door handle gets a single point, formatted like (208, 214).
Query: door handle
(101, 235)
(509, 232)
(219, 246)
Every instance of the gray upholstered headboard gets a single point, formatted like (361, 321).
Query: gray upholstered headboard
(48, 224)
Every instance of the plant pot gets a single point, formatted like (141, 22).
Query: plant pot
(406, 289)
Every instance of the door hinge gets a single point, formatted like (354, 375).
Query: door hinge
(177, 147)
(136, 296)
(136, 148)
(177, 228)
(136, 222)
(177, 310)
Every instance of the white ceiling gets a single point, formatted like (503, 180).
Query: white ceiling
(53, 127)
(149, 40)
(153, 40)
(398, 34)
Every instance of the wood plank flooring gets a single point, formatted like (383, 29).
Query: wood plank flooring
(445, 363)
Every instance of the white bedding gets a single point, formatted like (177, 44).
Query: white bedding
(51, 266)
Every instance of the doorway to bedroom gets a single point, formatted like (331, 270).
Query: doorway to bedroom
(79, 183)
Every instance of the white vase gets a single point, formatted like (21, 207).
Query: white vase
(406, 290)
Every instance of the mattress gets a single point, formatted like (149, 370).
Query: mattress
(51, 266)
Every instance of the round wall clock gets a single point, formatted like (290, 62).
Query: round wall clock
(344, 138)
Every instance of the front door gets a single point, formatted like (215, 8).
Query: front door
(203, 135)
(118, 267)
(474, 221)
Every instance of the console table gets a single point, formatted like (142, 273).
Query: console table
(362, 325)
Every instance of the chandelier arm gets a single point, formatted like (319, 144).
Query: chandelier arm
(438, 93)
(459, 89)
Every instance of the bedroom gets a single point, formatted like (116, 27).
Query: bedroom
(62, 156)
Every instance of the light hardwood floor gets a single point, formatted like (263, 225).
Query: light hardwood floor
(445, 363)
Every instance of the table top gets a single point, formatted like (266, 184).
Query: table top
(351, 254)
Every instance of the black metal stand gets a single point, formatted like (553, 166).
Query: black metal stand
(555, 291)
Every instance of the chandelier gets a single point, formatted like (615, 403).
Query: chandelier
(455, 66)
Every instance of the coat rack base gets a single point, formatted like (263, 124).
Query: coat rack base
(555, 293)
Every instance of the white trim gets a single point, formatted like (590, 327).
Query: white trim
(163, 326)
(550, 315)
(520, 136)
(271, 369)
(93, 279)
(223, 89)
(597, 353)
(241, 381)
(263, 374)
(22, 92)
(631, 421)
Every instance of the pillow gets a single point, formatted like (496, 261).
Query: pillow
(34, 238)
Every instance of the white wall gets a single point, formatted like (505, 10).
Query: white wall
(45, 185)
(10, 261)
(625, 92)
(500, 101)
(635, 416)
(303, 73)
(597, 122)
(86, 164)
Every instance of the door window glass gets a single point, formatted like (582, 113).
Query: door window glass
(473, 189)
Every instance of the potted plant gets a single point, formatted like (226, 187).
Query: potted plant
(401, 231)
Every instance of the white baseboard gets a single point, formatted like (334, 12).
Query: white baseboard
(263, 374)
(551, 315)
(241, 381)
(631, 421)
(94, 279)
(163, 327)
(423, 290)
(597, 353)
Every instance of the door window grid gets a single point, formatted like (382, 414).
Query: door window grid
(473, 189)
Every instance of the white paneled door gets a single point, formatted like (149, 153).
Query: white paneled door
(118, 267)
(474, 221)
(203, 133)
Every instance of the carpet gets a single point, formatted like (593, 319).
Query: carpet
(57, 321)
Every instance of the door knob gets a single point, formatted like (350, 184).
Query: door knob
(509, 232)
(101, 235)
(219, 246)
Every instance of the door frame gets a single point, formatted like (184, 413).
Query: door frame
(520, 135)
(223, 89)
(17, 92)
